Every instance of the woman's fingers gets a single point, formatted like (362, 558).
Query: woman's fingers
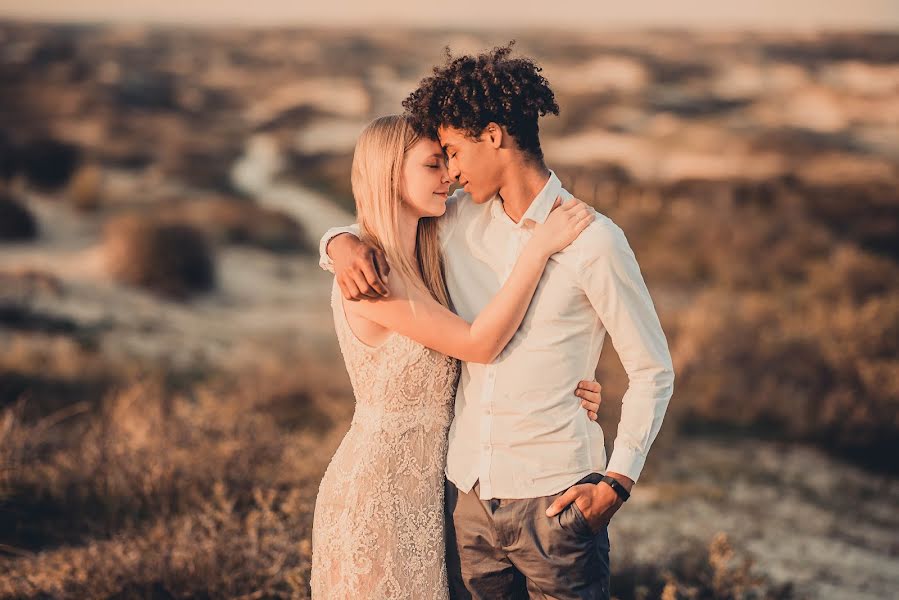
(584, 221)
(590, 393)
(590, 384)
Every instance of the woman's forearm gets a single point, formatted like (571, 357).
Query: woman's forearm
(497, 323)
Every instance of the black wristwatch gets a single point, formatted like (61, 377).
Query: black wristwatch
(619, 489)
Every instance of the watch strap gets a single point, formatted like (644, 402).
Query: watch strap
(616, 485)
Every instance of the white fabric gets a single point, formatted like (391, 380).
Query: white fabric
(378, 525)
(518, 426)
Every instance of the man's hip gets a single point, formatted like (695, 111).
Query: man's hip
(501, 549)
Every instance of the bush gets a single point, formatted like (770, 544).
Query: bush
(239, 222)
(47, 163)
(787, 313)
(86, 188)
(16, 221)
(172, 260)
(794, 367)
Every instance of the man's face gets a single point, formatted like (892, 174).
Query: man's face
(475, 163)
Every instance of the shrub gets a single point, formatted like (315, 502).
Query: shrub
(48, 163)
(173, 260)
(16, 221)
(240, 222)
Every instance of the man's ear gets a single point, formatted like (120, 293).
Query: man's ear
(494, 133)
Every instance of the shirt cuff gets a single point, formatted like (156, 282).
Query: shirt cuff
(324, 261)
(626, 461)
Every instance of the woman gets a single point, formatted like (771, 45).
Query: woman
(378, 529)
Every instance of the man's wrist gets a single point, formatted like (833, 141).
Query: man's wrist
(330, 241)
(623, 479)
(622, 493)
(621, 484)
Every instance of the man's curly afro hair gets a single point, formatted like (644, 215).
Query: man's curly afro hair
(468, 92)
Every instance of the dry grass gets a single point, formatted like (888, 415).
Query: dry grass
(209, 493)
(150, 493)
(717, 572)
(795, 368)
(791, 324)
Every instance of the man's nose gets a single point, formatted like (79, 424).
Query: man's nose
(453, 171)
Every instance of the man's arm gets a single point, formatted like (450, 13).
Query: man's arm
(361, 270)
(615, 287)
(324, 259)
(612, 280)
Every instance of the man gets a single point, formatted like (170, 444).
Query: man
(529, 494)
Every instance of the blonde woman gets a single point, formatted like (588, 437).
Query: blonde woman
(378, 525)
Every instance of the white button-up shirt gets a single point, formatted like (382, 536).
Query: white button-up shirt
(518, 427)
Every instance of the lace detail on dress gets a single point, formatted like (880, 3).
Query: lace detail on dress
(378, 527)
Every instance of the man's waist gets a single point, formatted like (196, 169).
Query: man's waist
(528, 416)
(506, 483)
(526, 451)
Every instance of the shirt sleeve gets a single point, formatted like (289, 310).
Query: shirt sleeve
(611, 278)
(324, 261)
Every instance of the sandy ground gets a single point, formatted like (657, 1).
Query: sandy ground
(801, 515)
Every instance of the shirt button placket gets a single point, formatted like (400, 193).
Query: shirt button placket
(486, 431)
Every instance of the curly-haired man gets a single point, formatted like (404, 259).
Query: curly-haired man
(529, 493)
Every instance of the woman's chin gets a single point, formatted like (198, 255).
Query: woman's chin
(437, 209)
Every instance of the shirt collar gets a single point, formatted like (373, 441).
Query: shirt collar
(540, 206)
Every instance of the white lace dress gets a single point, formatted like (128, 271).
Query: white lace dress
(378, 526)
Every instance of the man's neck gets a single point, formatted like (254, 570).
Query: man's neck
(523, 182)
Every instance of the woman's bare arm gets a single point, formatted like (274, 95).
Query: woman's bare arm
(412, 312)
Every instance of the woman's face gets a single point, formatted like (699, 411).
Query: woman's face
(425, 179)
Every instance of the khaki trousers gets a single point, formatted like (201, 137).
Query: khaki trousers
(509, 549)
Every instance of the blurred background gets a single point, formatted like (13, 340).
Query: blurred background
(171, 390)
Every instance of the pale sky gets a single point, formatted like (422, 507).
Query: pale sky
(475, 14)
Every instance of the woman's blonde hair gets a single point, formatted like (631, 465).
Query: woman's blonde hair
(377, 179)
